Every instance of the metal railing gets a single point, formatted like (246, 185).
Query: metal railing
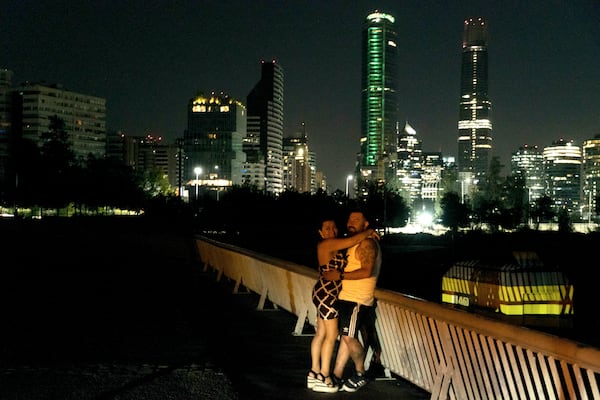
(450, 353)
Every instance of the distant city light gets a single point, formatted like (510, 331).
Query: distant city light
(425, 219)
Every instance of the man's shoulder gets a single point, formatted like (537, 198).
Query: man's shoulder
(369, 243)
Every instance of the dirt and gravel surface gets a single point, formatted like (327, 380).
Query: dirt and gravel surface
(121, 310)
(99, 309)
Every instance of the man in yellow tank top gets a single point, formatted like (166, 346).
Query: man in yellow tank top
(356, 299)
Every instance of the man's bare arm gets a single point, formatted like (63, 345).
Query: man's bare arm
(366, 252)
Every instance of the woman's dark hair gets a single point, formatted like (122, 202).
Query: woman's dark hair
(338, 216)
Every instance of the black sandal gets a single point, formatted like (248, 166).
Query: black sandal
(312, 378)
(326, 387)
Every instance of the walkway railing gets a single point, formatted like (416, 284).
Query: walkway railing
(450, 353)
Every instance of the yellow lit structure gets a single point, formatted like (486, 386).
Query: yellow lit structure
(523, 288)
(214, 103)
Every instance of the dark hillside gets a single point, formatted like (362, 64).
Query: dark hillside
(69, 287)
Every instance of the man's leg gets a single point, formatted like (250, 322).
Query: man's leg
(348, 313)
(371, 340)
(343, 355)
(357, 353)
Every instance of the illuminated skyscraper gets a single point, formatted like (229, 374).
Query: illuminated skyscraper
(264, 139)
(474, 124)
(298, 168)
(379, 104)
(562, 168)
(409, 165)
(213, 141)
(591, 177)
(527, 168)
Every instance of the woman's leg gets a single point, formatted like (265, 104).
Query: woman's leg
(331, 334)
(316, 344)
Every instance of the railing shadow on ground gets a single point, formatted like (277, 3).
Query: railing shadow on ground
(450, 353)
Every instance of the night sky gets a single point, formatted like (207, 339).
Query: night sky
(148, 58)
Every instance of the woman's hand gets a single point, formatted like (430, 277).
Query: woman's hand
(374, 234)
(332, 275)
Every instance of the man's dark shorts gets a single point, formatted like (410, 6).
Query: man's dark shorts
(352, 316)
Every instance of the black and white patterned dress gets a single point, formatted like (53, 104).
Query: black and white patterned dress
(325, 293)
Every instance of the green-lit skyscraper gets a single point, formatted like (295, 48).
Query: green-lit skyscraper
(379, 104)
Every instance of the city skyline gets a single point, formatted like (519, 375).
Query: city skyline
(149, 59)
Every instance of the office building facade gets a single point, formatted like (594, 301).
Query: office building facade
(562, 169)
(431, 179)
(474, 122)
(527, 164)
(264, 136)
(5, 121)
(298, 163)
(591, 179)
(408, 165)
(149, 155)
(213, 142)
(34, 104)
(379, 104)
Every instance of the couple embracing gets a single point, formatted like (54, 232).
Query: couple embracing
(344, 297)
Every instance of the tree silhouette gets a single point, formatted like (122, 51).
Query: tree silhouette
(564, 221)
(24, 166)
(487, 204)
(542, 211)
(56, 171)
(454, 213)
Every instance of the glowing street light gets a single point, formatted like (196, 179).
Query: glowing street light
(348, 179)
(197, 171)
(216, 177)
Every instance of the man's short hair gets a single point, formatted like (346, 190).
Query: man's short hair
(364, 212)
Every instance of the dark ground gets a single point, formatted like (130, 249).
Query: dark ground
(120, 309)
(103, 309)
(76, 282)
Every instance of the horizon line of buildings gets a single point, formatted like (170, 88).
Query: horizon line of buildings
(231, 142)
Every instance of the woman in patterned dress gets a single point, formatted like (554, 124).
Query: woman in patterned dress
(331, 254)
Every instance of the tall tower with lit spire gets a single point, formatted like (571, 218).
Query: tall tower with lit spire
(379, 104)
(474, 122)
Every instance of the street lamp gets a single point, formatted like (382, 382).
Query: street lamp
(217, 177)
(197, 171)
(348, 179)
